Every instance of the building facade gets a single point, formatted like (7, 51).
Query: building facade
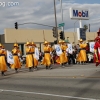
(21, 36)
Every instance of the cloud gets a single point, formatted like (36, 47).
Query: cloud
(42, 11)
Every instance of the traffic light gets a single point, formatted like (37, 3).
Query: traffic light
(62, 35)
(54, 32)
(16, 25)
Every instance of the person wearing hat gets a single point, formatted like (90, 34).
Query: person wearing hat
(20, 55)
(29, 57)
(60, 58)
(82, 56)
(3, 66)
(17, 63)
(47, 58)
(96, 49)
(64, 47)
(35, 61)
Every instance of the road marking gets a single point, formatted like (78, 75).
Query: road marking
(46, 94)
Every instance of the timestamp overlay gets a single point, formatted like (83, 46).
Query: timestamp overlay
(9, 4)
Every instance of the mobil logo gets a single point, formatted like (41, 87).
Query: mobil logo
(78, 13)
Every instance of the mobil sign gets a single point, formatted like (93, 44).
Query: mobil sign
(79, 13)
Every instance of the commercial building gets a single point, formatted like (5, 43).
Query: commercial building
(21, 36)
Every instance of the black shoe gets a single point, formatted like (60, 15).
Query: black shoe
(50, 67)
(46, 67)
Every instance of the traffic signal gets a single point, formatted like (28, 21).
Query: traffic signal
(16, 25)
(54, 32)
(62, 35)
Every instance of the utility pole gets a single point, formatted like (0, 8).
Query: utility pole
(62, 16)
(55, 20)
(89, 27)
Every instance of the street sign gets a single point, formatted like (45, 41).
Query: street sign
(61, 24)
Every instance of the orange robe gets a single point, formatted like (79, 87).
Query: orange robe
(29, 58)
(35, 61)
(82, 54)
(64, 47)
(17, 63)
(47, 58)
(60, 59)
(3, 66)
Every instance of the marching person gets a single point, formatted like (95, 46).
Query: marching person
(29, 57)
(3, 66)
(33, 51)
(64, 48)
(20, 55)
(60, 58)
(82, 57)
(47, 57)
(97, 49)
(51, 53)
(17, 63)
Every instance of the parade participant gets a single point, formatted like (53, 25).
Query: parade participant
(64, 47)
(20, 55)
(82, 53)
(29, 58)
(97, 49)
(3, 66)
(17, 63)
(47, 57)
(35, 61)
(51, 53)
(60, 58)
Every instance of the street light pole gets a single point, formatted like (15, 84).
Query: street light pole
(61, 10)
(55, 20)
(74, 31)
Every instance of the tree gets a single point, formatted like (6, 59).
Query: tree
(85, 27)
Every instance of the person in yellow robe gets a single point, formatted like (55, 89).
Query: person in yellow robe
(17, 63)
(35, 61)
(47, 58)
(51, 53)
(20, 55)
(3, 66)
(29, 57)
(82, 57)
(60, 59)
(64, 47)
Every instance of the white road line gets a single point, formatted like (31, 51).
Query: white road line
(46, 94)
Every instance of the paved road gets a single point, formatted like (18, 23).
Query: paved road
(77, 82)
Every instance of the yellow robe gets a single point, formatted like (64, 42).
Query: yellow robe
(3, 66)
(47, 58)
(64, 47)
(61, 57)
(35, 61)
(82, 54)
(17, 63)
(29, 58)
(19, 51)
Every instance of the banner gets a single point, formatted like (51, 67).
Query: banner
(69, 49)
(58, 50)
(36, 55)
(10, 59)
(91, 46)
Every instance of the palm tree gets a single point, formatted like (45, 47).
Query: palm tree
(85, 27)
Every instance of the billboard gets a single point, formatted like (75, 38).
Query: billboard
(78, 13)
(81, 33)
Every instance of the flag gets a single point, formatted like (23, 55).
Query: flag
(91, 46)
(36, 55)
(10, 59)
(58, 50)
